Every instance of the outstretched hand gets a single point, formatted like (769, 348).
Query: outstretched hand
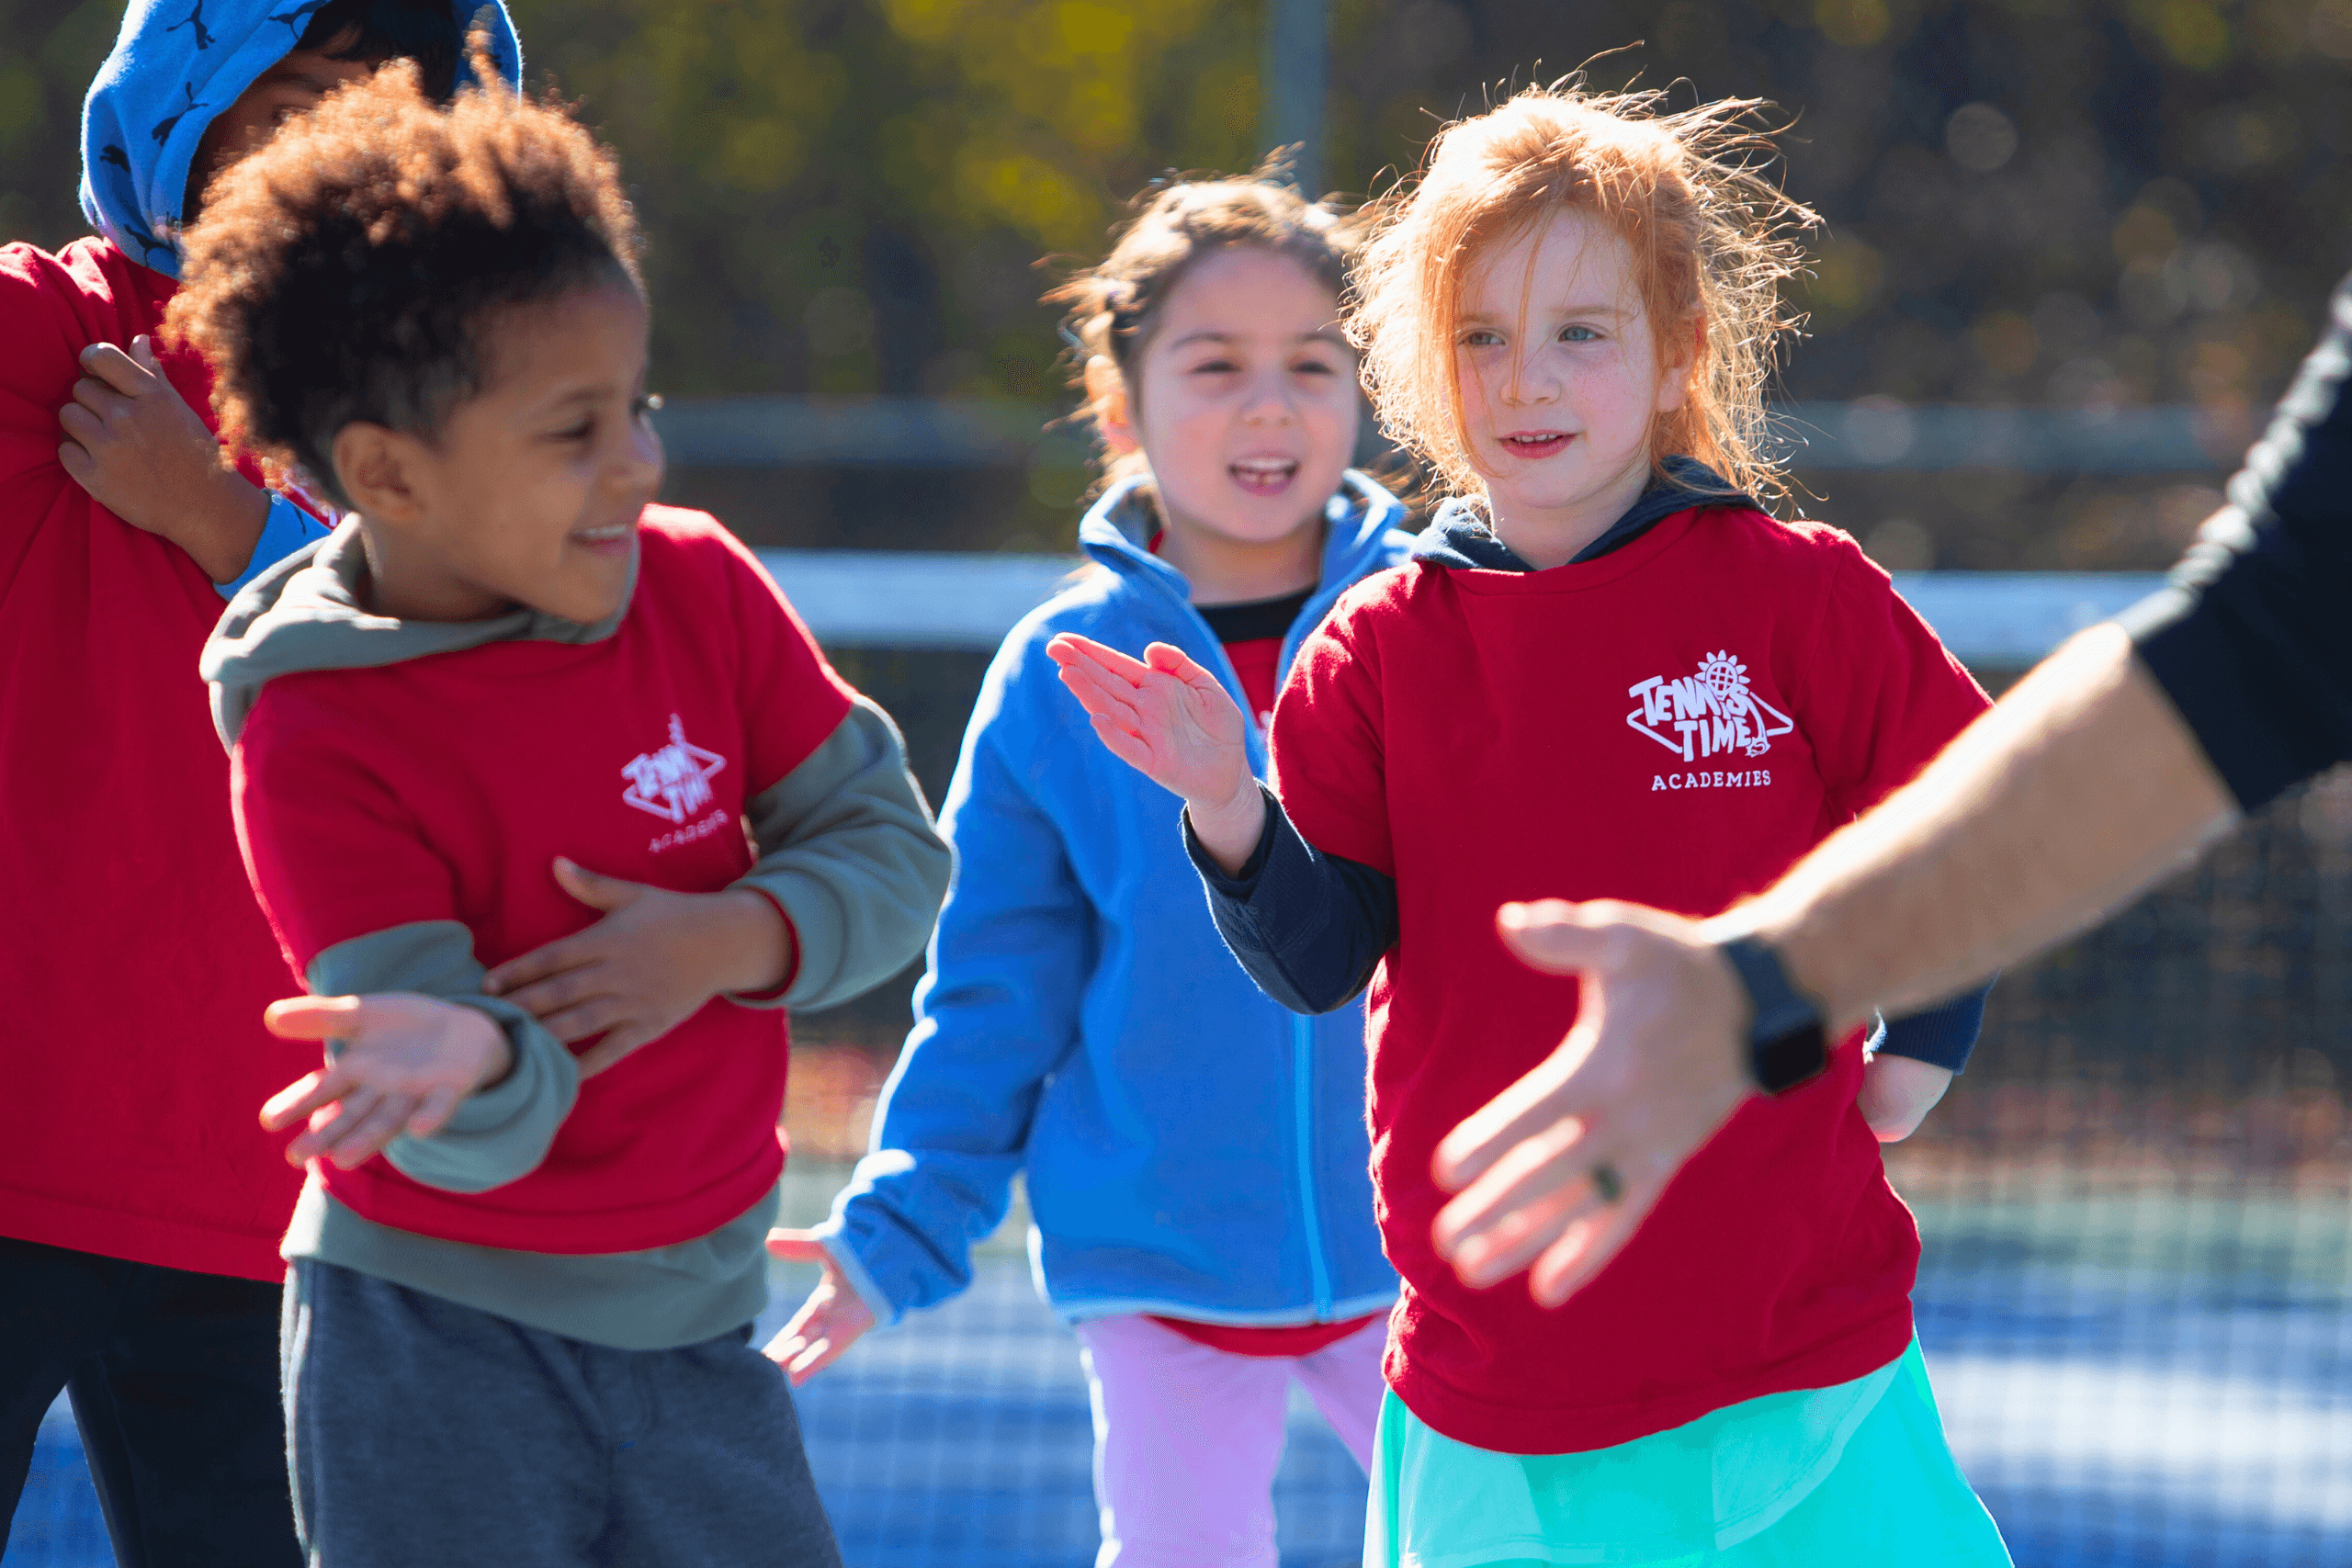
(407, 1062)
(1170, 719)
(832, 1320)
(1556, 1172)
(654, 960)
(133, 443)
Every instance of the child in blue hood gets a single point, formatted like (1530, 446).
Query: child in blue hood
(140, 1203)
(1194, 1155)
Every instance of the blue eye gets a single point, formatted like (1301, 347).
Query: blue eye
(1480, 338)
(1578, 334)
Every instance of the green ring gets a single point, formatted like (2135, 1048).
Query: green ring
(1607, 1182)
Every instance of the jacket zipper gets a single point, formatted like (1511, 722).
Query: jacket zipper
(1302, 1028)
(1302, 1035)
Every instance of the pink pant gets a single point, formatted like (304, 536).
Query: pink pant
(1187, 1439)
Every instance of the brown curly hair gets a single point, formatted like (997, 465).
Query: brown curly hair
(1712, 241)
(1114, 305)
(344, 271)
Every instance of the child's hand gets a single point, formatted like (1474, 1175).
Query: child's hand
(1897, 1094)
(653, 962)
(828, 1323)
(144, 456)
(406, 1063)
(1171, 721)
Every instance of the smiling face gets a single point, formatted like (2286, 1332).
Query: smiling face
(1562, 381)
(529, 491)
(1244, 400)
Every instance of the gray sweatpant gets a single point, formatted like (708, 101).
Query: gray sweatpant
(420, 1432)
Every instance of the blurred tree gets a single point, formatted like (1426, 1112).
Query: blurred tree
(2085, 202)
(849, 196)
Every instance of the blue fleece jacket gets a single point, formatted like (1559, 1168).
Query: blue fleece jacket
(1190, 1148)
(175, 65)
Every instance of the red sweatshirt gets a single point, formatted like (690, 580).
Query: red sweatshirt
(135, 965)
(441, 788)
(1673, 722)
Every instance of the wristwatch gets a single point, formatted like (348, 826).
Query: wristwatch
(1786, 1044)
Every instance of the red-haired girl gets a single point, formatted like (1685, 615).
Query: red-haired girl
(1607, 671)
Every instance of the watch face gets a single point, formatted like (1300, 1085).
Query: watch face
(1785, 1042)
(1794, 1058)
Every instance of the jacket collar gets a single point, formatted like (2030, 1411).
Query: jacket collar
(1118, 532)
(1459, 538)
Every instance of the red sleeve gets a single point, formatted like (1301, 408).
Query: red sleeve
(1882, 695)
(37, 376)
(792, 698)
(332, 853)
(1329, 753)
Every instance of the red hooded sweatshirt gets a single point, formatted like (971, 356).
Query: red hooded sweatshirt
(134, 960)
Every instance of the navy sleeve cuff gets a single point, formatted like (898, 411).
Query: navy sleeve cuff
(1942, 1036)
(1311, 928)
(1242, 882)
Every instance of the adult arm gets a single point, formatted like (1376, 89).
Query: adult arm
(2077, 790)
(2113, 763)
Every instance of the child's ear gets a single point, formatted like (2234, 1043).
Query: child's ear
(1674, 376)
(1106, 393)
(377, 468)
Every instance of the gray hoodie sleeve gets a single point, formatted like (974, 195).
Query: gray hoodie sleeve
(848, 852)
(499, 1135)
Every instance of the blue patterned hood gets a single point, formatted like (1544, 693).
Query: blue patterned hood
(176, 65)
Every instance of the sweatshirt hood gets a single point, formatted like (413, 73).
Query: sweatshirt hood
(1362, 525)
(175, 65)
(304, 613)
(1459, 538)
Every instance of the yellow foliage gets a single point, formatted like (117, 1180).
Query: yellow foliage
(1846, 276)
(22, 103)
(1031, 195)
(2192, 31)
(759, 154)
(1855, 24)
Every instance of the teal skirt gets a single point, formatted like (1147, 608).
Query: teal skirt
(1855, 1476)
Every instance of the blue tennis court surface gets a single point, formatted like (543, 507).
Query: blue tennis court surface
(2146, 1380)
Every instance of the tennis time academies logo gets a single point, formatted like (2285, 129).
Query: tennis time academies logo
(672, 781)
(1713, 713)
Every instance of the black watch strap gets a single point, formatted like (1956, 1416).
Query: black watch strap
(1786, 1043)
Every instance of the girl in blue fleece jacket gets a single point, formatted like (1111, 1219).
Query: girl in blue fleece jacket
(1195, 1155)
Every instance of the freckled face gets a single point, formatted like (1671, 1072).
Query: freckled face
(1245, 399)
(531, 489)
(1559, 370)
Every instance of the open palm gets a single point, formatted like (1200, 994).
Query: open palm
(1162, 714)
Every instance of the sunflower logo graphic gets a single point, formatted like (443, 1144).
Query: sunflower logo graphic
(1725, 676)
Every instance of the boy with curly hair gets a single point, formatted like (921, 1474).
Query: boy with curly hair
(524, 1278)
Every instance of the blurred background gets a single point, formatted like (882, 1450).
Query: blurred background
(2072, 250)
